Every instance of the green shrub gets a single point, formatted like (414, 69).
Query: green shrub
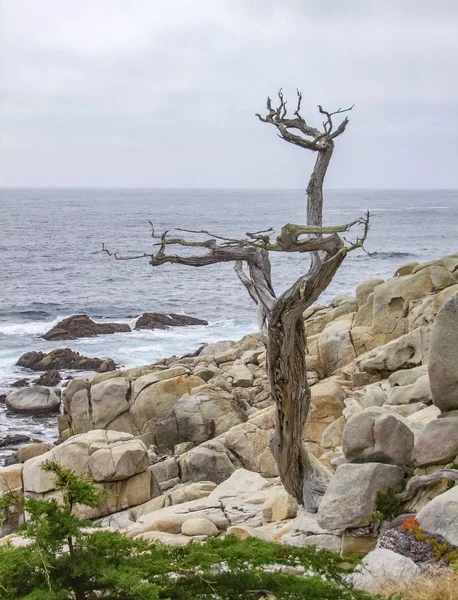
(388, 505)
(66, 562)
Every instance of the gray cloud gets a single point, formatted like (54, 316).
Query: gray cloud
(164, 93)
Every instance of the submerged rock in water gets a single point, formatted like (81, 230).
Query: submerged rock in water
(78, 326)
(64, 358)
(160, 321)
(49, 378)
(10, 440)
(34, 400)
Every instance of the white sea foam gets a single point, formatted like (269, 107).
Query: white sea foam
(32, 328)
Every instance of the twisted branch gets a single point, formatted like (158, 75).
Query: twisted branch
(320, 139)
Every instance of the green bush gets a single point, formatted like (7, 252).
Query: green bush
(66, 562)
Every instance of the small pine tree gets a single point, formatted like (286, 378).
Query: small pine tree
(67, 561)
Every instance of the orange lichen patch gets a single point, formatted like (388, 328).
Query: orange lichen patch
(412, 525)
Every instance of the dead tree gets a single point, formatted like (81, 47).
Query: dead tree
(281, 318)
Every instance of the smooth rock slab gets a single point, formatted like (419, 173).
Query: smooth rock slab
(34, 400)
(350, 499)
(443, 358)
(440, 516)
(381, 566)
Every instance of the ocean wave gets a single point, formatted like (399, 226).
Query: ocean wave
(393, 254)
(25, 314)
(30, 328)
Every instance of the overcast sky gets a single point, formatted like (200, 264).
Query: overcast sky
(162, 93)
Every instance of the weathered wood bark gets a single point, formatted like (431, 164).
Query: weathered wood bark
(315, 186)
(420, 481)
(287, 371)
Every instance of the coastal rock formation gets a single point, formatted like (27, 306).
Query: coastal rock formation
(161, 321)
(442, 365)
(64, 358)
(437, 443)
(49, 378)
(17, 438)
(373, 436)
(382, 566)
(34, 400)
(29, 451)
(116, 461)
(80, 326)
(351, 497)
(20, 383)
(440, 516)
(201, 464)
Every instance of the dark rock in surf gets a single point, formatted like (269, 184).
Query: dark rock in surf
(79, 326)
(12, 440)
(64, 358)
(20, 383)
(49, 378)
(160, 321)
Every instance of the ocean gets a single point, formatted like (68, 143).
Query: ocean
(52, 265)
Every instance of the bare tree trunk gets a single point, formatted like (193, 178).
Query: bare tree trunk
(315, 186)
(287, 371)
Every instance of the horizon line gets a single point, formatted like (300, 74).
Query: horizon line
(210, 188)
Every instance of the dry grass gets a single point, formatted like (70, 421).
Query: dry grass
(431, 587)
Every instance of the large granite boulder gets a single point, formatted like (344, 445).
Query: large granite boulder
(79, 326)
(208, 462)
(122, 404)
(250, 443)
(419, 391)
(440, 516)
(64, 358)
(170, 405)
(381, 567)
(34, 400)
(305, 531)
(443, 357)
(373, 436)
(326, 405)
(437, 443)
(160, 321)
(351, 498)
(117, 463)
(204, 413)
(392, 298)
(335, 347)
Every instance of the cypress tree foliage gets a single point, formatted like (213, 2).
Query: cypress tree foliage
(66, 560)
